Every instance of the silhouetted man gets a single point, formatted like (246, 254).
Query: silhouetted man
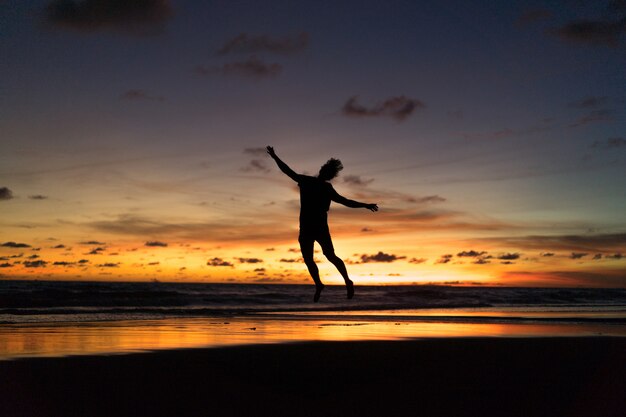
(316, 194)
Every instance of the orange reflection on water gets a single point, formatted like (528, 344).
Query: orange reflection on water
(61, 339)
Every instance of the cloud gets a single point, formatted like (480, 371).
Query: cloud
(509, 256)
(256, 165)
(5, 265)
(547, 254)
(589, 102)
(38, 197)
(592, 32)
(398, 108)
(597, 256)
(573, 243)
(481, 261)
(417, 260)
(470, 254)
(95, 251)
(610, 143)
(253, 67)
(255, 151)
(35, 264)
(595, 116)
(139, 95)
(251, 44)
(108, 265)
(290, 260)
(380, 257)
(83, 261)
(92, 242)
(155, 243)
(153, 263)
(5, 193)
(250, 260)
(63, 263)
(535, 15)
(219, 262)
(444, 259)
(430, 199)
(15, 245)
(357, 180)
(136, 17)
(578, 255)
(614, 256)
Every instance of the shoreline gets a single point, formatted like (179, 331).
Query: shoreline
(473, 376)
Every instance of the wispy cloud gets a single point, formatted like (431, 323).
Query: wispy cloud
(610, 143)
(134, 95)
(155, 243)
(595, 116)
(137, 17)
(357, 180)
(38, 197)
(251, 44)
(398, 108)
(253, 67)
(590, 102)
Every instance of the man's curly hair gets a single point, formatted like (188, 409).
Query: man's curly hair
(330, 169)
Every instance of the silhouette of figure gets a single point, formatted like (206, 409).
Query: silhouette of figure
(316, 193)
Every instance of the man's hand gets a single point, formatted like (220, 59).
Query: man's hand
(270, 151)
(372, 207)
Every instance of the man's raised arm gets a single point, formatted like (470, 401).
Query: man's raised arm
(336, 197)
(283, 166)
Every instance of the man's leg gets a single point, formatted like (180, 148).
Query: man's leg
(306, 247)
(326, 243)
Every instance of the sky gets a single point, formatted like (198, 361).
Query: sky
(491, 134)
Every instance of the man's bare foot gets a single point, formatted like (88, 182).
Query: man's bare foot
(318, 292)
(350, 288)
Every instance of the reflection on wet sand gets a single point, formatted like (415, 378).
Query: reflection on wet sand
(60, 339)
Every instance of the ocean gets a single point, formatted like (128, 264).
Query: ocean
(43, 318)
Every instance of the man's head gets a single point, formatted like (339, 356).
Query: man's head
(330, 169)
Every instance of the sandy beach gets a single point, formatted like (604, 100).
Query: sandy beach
(578, 376)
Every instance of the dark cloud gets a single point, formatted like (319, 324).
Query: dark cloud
(15, 245)
(251, 44)
(5, 193)
(256, 165)
(357, 180)
(290, 260)
(136, 17)
(366, 229)
(507, 263)
(595, 116)
(96, 251)
(218, 262)
(398, 108)
(535, 15)
(610, 143)
(139, 95)
(590, 102)
(38, 197)
(35, 264)
(593, 32)
(470, 254)
(509, 256)
(481, 261)
(250, 260)
(597, 256)
(58, 246)
(380, 257)
(33, 257)
(444, 259)
(92, 242)
(5, 265)
(417, 260)
(253, 67)
(63, 263)
(578, 255)
(547, 254)
(614, 256)
(108, 265)
(153, 263)
(154, 243)
(83, 261)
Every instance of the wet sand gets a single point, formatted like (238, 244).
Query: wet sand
(579, 376)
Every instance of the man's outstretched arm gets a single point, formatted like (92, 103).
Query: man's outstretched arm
(283, 166)
(336, 197)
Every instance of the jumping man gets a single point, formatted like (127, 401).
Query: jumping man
(316, 194)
